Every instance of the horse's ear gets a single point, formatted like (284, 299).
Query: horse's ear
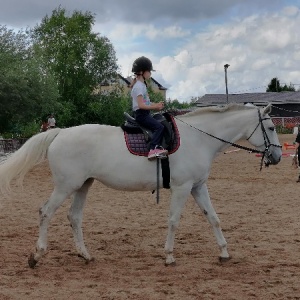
(267, 109)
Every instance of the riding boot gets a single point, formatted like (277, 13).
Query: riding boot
(299, 175)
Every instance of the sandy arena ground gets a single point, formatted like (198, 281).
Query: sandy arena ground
(126, 232)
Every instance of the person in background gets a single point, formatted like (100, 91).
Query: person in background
(44, 126)
(51, 121)
(142, 105)
(297, 153)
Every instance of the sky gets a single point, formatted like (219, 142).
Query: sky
(190, 41)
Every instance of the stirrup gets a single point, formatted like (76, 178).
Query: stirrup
(161, 156)
(158, 156)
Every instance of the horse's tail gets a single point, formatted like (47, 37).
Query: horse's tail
(24, 159)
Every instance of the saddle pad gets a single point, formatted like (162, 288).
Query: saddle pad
(136, 142)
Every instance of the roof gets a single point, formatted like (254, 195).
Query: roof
(125, 80)
(255, 98)
(158, 84)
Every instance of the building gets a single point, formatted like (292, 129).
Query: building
(125, 84)
(285, 104)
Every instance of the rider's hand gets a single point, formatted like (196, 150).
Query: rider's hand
(159, 106)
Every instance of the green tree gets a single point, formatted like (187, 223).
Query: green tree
(25, 90)
(172, 106)
(153, 95)
(175, 104)
(79, 59)
(274, 86)
(109, 107)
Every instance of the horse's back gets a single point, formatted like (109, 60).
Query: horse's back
(100, 152)
(87, 139)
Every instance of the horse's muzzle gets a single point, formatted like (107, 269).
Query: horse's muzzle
(272, 158)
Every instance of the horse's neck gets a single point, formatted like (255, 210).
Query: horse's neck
(229, 126)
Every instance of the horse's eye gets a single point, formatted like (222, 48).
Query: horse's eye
(272, 128)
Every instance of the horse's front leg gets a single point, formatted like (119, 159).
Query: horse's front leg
(178, 200)
(201, 195)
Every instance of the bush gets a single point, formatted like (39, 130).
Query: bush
(284, 130)
(22, 131)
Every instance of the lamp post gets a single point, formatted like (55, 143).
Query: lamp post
(225, 69)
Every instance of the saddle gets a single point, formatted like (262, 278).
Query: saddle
(138, 138)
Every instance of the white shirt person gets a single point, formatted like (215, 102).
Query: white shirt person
(51, 122)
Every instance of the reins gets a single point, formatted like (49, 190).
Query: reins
(251, 150)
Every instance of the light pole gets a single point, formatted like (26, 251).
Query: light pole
(225, 69)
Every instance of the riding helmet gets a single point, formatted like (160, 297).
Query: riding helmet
(142, 64)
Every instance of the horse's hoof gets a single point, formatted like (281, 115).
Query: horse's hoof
(224, 259)
(31, 261)
(87, 261)
(172, 264)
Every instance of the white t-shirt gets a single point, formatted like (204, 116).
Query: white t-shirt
(138, 89)
(51, 122)
(295, 130)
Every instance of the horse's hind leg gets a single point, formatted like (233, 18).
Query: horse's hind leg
(46, 213)
(201, 195)
(75, 218)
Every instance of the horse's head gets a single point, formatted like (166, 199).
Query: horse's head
(264, 137)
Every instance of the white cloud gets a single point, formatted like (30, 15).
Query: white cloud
(291, 11)
(184, 58)
(296, 55)
(170, 68)
(164, 33)
(294, 77)
(189, 44)
(121, 32)
(261, 64)
(257, 48)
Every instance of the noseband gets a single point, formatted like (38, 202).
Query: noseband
(266, 154)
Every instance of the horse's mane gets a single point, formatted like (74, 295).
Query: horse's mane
(223, 108)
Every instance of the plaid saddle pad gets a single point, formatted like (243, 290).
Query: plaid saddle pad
(137, 145)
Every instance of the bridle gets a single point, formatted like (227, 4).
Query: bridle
(266, 154)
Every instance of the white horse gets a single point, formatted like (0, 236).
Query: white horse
(78, 155)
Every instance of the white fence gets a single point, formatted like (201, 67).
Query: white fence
(286, 121)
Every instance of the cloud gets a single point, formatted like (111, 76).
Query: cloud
(260, 64)
(128, 31)
(22, 13)
(165, 33)
(257, 48)
(189, 42)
